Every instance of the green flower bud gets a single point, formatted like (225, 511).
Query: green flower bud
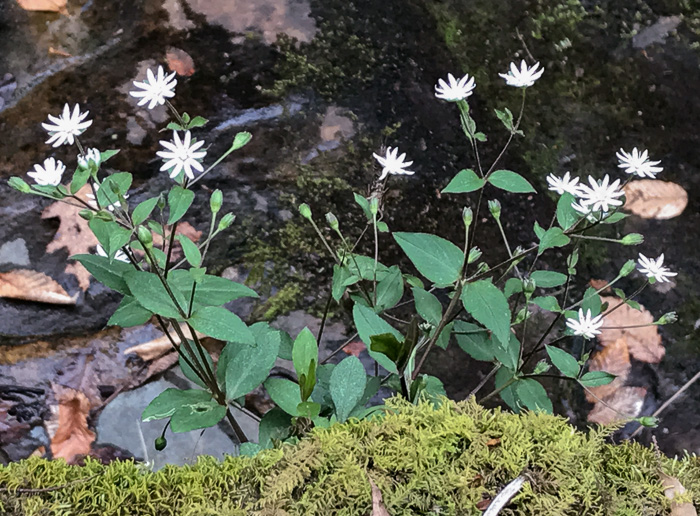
(495, 209)
(668, 318)
(483, 267)
(374, 206)
(161, 202)
(104, 215)
(529, 286)
(305, 211)
(474, 254)
(144, 236)
(332, 221)
(161, 443)
(467, 216)
(632, 239)
(648, 421)
(226, 221)
(216, 200)
(627, 268)
(19, 184)
(541, 367)
(86, 214)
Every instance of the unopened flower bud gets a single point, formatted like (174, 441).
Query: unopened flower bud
(374, 206)
(474, 255)
(529, 286)
(332, 221)
(627, 268)
(104, 215)
(483, 267)
(226, 221)
(467, 216)
(161, 202)
(632, 239)
(161, 443)
(541, 367)
(305, 211)
(19, 184)
(216, 200)
(86, 214)
(145, 237)
(495, 209)
(668, 318)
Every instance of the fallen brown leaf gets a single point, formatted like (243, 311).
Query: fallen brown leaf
(673, 488)
(158, 347)
(615, 359)
(179, 61)
(644, 343)
(623, 403)
(72, 437)
(378, 508)
(654, 199)
(53, 6)
(482, 505)
(493, 442)
(355, 348)
(600, 284)
(33, 286)
(73, 234)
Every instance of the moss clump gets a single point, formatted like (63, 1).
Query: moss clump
(424, 459)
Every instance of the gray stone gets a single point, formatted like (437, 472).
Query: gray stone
(15, 251)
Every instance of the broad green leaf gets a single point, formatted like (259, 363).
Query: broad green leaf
(241, 139)
(246, 366)
(197, 121)
(487, 304)
(321, 393)
(192, 416)
(531, 393)
(427, 306)
(363, 267)
(548, 279)
(363, 203)
(553, 237)
(304, 351)
(285, 393)
(614, 217)
(368, 323)
(591, 301)
(309, 409)
(347, 386)
(105, 155)
(120, 181)
(167, 402)
(111, 274)
(276, 425)
(192, 253)
(199, 351)
(465, 181)
(143, 210)
(596, 378)
(129, 313)
(211, 290)
(513, 286)
(474, 340)
(566, 215)
(508, 355)
(80, 179)
(342, 278)
(509, 393)
(437, 259)
(217, 322)
(388, 346)
(510, 182)
(179, 201)
(286, 345)
(389, 289)
(548, 303)
(539, 230)
(567, 364)
(148, 290)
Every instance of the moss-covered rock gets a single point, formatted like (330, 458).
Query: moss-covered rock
(424, 460)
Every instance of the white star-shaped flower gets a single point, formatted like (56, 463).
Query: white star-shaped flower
(601, 194)
(90, 155)
(654, 268)
(155, 89)
(119, 255)
(49, 174)
(636, 162)
(93, 203)
(563, 184)
(455, 90)
(524, 77)
(66, 126)
(585, 326)
(182, 154)
(590, 214)
(393, 164)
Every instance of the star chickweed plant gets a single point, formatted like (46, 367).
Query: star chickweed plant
(485, 307)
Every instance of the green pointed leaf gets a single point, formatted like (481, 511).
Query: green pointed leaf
(148, 290)
(465, 181)
(591, 301)
(389, 289)
(193, 416)
(198, 352)
(566, 215)
(427, 306)
(192, 253)
(508, 394)
(553, 237)
(210, 291)
(548, 279)
(363, 203)
(179, 201)
(510, 182)
(111, 274)
(347, 386)
(513, 286)
(437, 259)
(342, 278)
(548, 303)
(197, 121)
(80, 179)
(508, 355)
(276, 425)
(533, 395)
(487, 304)
(567, 364)
(170, 400)
(596, 378)
(217, 322)
(368, 323)
(129, 313)
(304, 351)
(285, 393)
(143, 210)
(474, 340)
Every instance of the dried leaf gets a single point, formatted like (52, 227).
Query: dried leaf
(601, 285)
(614, 359)
(53, 6)
(654, 199)
(644, 343)
(72, 437)
(158, 347)
(673, 488)
(482, 505)
(625, 402)
(33, 286)
(355, 348)
(73, 234)
(179, 61)
(493, 442)
(183, 228)
(378, 508)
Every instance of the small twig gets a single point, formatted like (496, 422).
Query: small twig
(505, 496)
(341, 348)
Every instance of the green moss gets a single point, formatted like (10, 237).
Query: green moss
(425, 460)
